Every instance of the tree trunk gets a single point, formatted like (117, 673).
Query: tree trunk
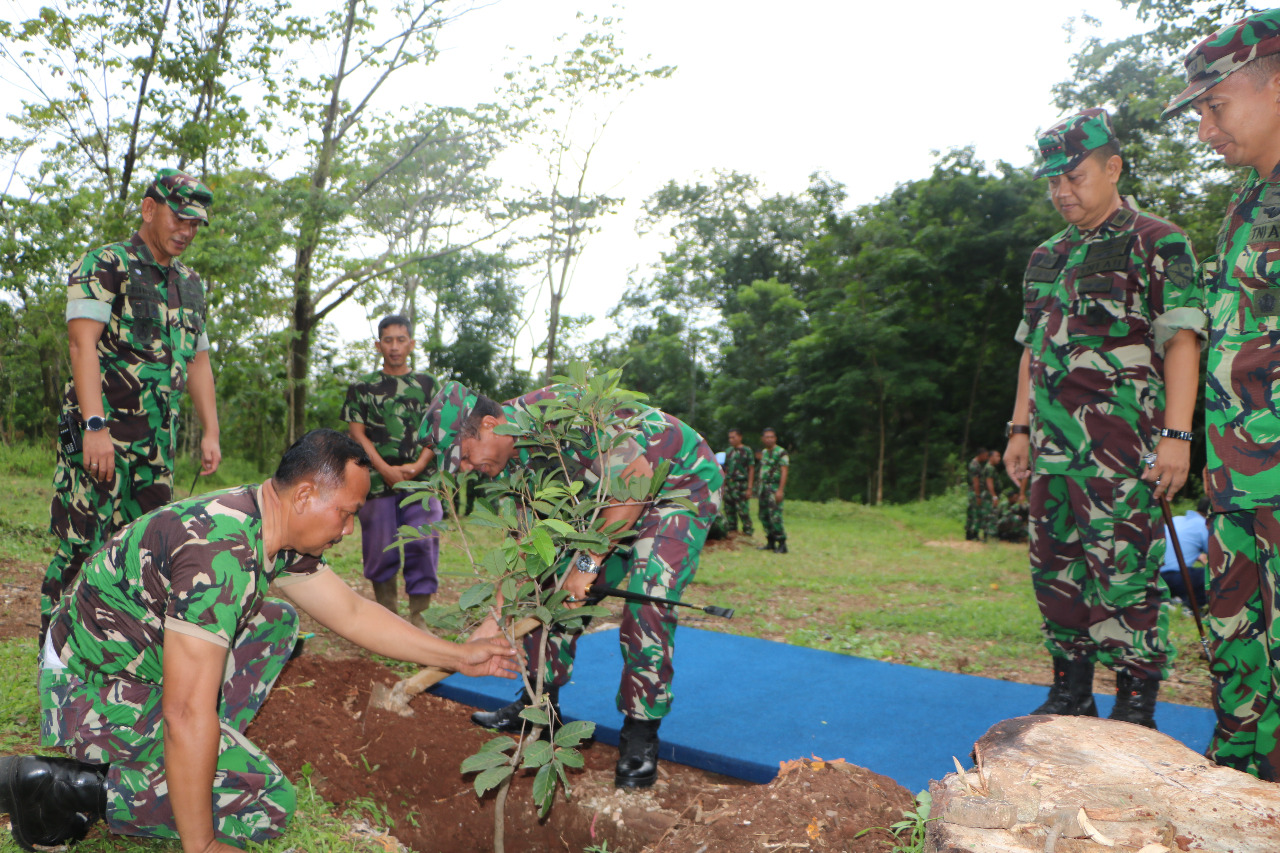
(553, 330)
(131, 155)
(924, 470)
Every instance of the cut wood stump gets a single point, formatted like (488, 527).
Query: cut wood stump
(1084, 785)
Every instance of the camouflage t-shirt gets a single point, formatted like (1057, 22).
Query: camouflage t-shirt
(693, 465)
(1242, 417)
(974, 469)
(738, 462)
(391, 409)
(772, 461)
(195, 566)
(1100, 306)
(155, 324)
(989, 472)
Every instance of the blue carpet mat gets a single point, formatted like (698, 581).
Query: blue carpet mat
(743, 705)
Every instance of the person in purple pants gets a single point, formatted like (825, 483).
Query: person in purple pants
(383, 411)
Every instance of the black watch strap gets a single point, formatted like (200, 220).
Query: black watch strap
(1177, 433)
(1016, 429)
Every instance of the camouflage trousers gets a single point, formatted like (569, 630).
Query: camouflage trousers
(737, 506)
(1096, 551)
(85, 512)
(662, 561)
(770, 511)
(1244, 567)
(120, 723)
(979, 519)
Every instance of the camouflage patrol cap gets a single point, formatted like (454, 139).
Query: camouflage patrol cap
(1226, 51)
(449, 409)
(1065, 145)
(188, 198)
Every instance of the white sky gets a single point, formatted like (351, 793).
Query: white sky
(781, 90)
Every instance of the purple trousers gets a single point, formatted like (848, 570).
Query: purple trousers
(380, 523)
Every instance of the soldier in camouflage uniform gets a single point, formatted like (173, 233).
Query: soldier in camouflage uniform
(1112, 323)
(739, 482)
(991, 487)
(1234, 84)
(774, 467)
(661, 559)
(383, 411)
(137, 326)
(976, 514)
(166, 645)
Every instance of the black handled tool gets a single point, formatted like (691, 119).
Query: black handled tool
(711, 609)
(1186, 575)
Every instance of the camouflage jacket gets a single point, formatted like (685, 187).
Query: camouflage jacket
(155, 324)
(1242, 416)
(195, 566)
(772, 461)
(974, 471)
(391, 409)
(989, 472)
(1100, 306)
(738, 462)
(693, 465)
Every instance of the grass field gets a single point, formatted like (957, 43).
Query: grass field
(895, 583)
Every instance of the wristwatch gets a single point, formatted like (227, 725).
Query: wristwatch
(95, 423)
(1016, 429)
(585, 564)
(1176, 433)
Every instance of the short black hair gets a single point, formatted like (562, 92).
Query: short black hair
(154, 194)
(735, 429)
(768, 429)
(982, 450)
(1203, 506)
(1106, 151)
(394, 320)
(1260, 69)
(321, 454)
(484, 407)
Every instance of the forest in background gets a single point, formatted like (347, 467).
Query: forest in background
(876, 338)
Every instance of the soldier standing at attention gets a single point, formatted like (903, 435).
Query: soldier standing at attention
(1234, 85)
(739, 482)
(991, 498)
(384, 410)
(974, 520)
(136, 325)
(1111, 327)
(774, 463)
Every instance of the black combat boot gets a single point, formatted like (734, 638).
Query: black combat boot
(508, 719)
(1072, 690)
(781, 546)
(51, 801)
(1135, 700)
(637, 754)
(768, 546)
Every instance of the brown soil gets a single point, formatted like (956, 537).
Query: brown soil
(318, 716)
(19, 598)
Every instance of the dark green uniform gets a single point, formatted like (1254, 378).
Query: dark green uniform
(772, 461)
(155, 324)
(738, 464)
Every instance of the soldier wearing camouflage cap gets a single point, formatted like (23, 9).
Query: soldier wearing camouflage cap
(1233, 83)
(136, 321)
(661, 560)
(167, 644)
(1112, 322)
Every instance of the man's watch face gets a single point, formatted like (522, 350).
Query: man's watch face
(95, 423)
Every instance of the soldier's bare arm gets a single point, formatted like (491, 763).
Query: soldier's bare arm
(86, 373)
(1017, 453)
(782, 484)
(193, 670)
(205, 402)
(333, 604)
(1181, 383)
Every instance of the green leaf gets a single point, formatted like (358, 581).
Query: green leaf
(572, 734)
(540, 539)
(559, 526)
(475, 596)
(498, 744)
(570, 757)
(544, 789)
(536, 715)
(492, 778)
(483, 761)
(537, 754)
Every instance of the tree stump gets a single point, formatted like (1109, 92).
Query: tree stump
(1084, 785)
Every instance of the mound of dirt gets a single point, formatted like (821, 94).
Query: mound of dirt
(317, 716)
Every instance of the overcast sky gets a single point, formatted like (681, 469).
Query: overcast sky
(853, 88)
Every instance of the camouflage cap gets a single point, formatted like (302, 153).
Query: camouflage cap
(449, 409)
(1065, 145)
(188, 198)
(1226, 51)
